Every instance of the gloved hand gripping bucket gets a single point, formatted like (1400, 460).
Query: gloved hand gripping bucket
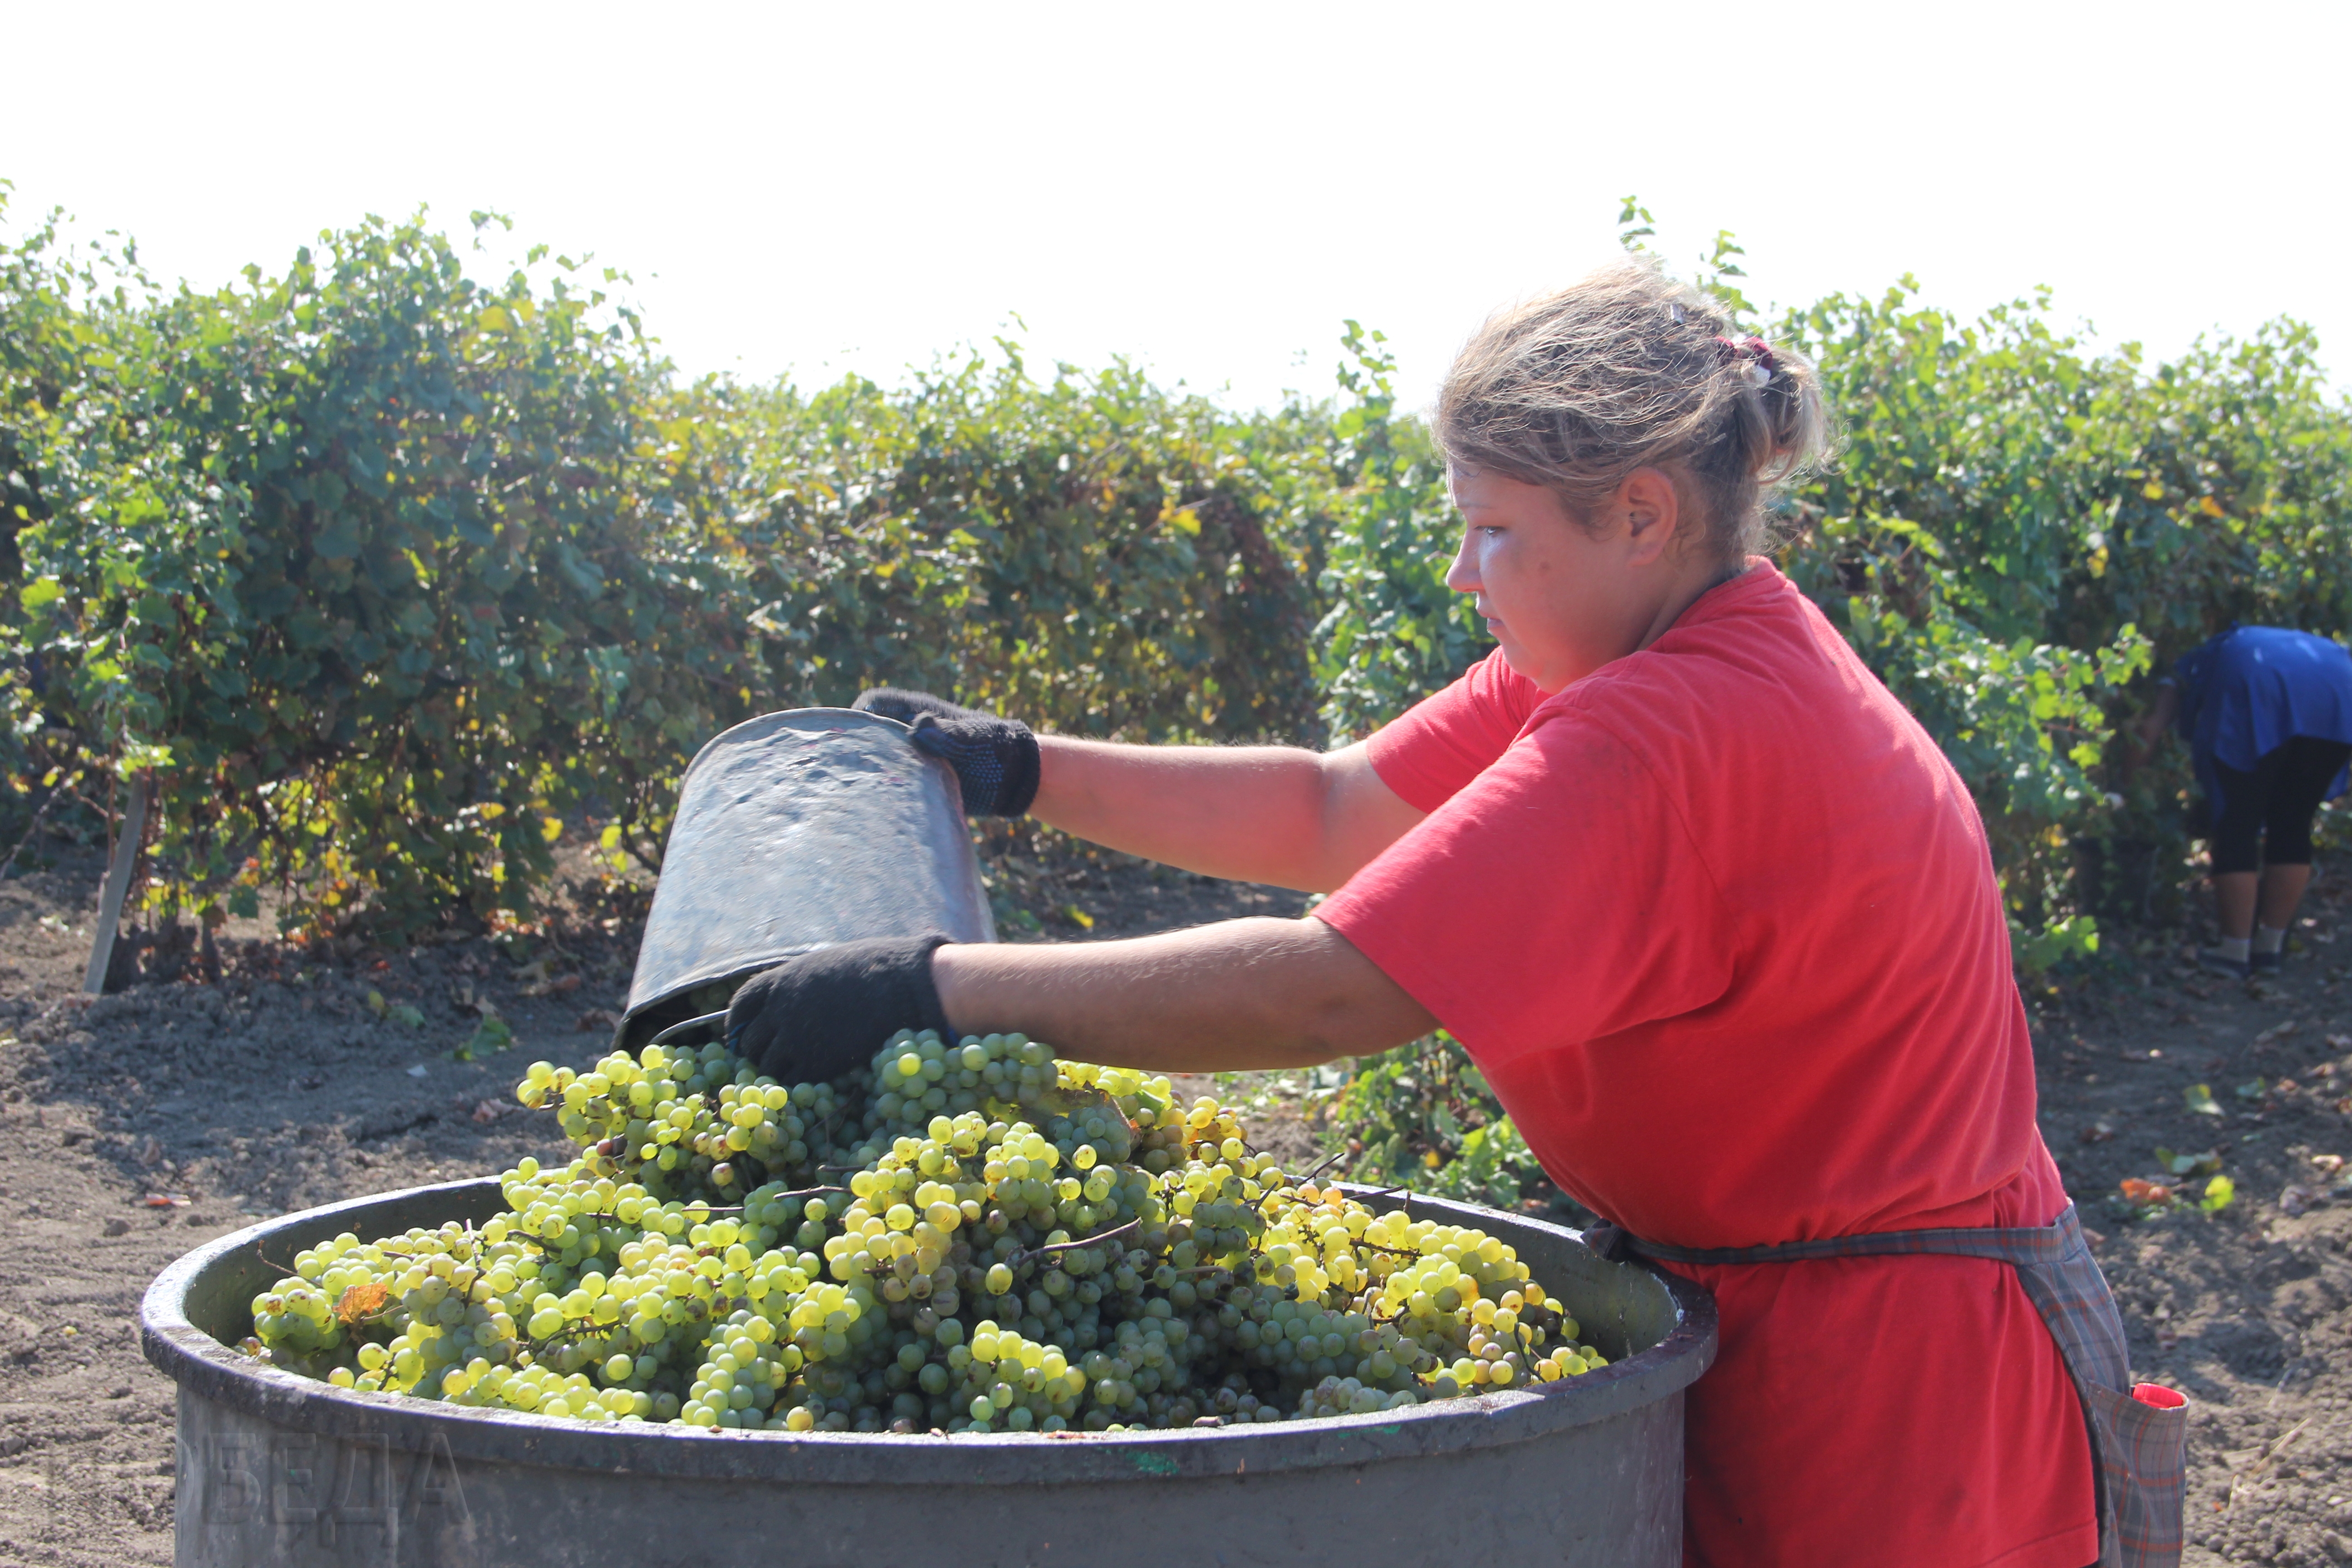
(795, 830)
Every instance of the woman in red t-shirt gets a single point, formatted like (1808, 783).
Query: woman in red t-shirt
(1710, 911)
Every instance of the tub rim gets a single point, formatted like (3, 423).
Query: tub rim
(205, 1368)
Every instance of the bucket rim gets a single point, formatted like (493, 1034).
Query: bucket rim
(861, 719)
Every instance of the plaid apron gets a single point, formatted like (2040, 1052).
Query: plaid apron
(2138, 1452)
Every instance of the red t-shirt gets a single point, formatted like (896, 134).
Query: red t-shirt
(1719, 924)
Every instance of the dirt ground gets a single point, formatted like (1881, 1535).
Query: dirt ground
(296, 1079)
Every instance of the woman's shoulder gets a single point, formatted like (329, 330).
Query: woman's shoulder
(1750, 647)
(1489, 702)
(1763, 690)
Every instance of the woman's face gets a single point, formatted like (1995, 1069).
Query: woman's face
(1562, 598)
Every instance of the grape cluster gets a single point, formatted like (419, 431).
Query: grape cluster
(972, 1237)
(683, 1121)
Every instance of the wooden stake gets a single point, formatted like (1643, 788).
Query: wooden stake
(117, 887)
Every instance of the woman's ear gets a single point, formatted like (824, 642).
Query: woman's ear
(1653, 511)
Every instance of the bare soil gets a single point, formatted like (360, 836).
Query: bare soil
(292, 1080)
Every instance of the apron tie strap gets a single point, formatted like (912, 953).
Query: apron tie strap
(2023, 1247)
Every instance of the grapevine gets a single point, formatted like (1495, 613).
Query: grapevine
(1021, 1243)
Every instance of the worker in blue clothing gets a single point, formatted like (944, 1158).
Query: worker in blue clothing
(2267, 714)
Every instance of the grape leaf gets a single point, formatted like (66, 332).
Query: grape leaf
(362, 1300)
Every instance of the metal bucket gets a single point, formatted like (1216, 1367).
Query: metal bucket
(794, 830)
(280, 1469)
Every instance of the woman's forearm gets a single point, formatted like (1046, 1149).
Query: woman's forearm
(1236, 996)
(2149, 729)
(1280, 815)
(2160, 714)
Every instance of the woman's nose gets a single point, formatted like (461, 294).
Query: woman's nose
(1462, 576)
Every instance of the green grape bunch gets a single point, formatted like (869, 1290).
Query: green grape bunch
(967, 1237)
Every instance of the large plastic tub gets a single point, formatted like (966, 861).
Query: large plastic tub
(278, 1469)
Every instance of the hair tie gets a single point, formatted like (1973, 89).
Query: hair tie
(1758, 361)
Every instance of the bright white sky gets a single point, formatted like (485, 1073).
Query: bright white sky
(1210, 188)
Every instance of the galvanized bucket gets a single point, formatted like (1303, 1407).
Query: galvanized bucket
(277, 1468)
(795, 830)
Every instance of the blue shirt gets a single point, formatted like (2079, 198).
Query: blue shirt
(2252, 690)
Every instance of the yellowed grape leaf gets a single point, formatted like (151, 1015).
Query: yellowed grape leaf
(362, 1302)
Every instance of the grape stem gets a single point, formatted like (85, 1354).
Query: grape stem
(1019, 1258)
(1321, 1168)
(263, 1253)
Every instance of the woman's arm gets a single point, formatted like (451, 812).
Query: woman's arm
(1239, 994)
(2149, 729)
(2159, 715)
(1295, 818)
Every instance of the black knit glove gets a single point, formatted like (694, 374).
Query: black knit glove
(815, 1018)
(995, 760)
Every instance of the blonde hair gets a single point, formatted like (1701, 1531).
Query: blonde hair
(1629, 369)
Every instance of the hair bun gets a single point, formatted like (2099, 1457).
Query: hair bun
(1630, 369)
